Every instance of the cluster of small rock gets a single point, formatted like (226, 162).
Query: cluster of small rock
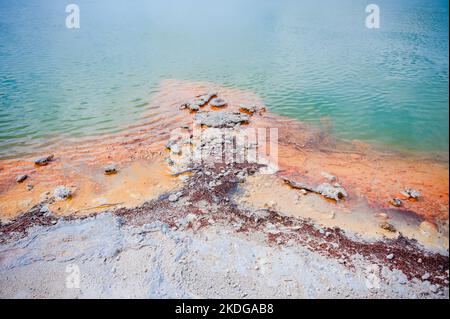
(408, 193)
(61, 192)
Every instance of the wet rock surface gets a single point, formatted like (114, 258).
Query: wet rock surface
(200, 101)
(42, 161)
(252, 109)
(218, 102)
(335, 191)
(388, 227)
(21, 178)
(221, 119)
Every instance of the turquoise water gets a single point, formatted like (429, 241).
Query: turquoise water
(311, 60)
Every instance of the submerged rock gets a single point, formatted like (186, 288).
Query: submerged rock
(21, 178)
(218, 102)
(388, 227)
(42, 161)
(220, 119)
(62, 193)
(110, 169)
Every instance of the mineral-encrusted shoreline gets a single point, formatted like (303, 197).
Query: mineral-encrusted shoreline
(205, 205)
(209, 202)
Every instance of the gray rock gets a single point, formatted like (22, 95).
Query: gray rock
(426, 276)
(45, 210)
(21, 178)
(192, 105)
(218, 102)
(411, 193)
(396, 202)
(110, 169)
(388, 227)
(173, 198)
(220, 119)
(62, 193)
(42, 161)
(199, 102)
(335, 192)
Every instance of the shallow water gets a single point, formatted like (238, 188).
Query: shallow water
(314, 61)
